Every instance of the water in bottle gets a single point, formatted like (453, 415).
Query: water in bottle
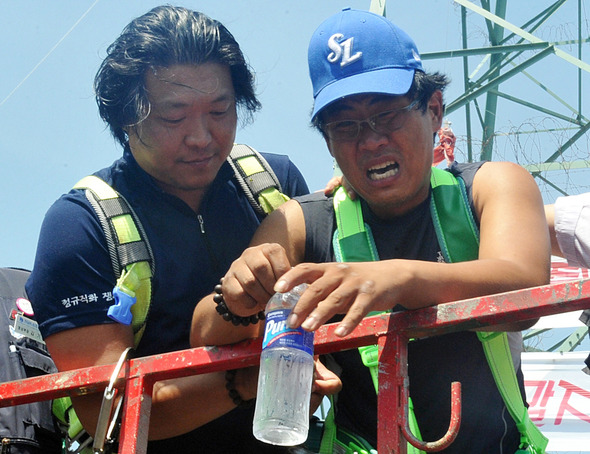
(281, 416)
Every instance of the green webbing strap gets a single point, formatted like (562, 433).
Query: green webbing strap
(370, 358)
(256, 178)
(354, 242)
(459, 241)
(64, 411)
(449, 207)
(329, 435)
(352, 239)
(497, 351)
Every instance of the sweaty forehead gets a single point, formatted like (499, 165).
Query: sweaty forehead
(186, 80)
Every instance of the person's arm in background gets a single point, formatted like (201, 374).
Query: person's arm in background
(550, 216)
(569, 227)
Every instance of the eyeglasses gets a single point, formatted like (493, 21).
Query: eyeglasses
(382, 123)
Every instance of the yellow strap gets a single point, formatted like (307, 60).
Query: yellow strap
(139, 277)
(270, 199)
(256, 178)
(126, 229)
(349, 215)
(497, 351)
(250, 165)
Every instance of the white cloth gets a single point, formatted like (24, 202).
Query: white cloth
(516, 346)
(572, 228)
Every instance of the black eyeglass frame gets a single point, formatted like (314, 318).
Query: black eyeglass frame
(371, 121)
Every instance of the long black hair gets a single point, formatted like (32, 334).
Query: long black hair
(163, 37)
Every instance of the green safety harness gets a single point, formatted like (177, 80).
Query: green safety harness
(458, 237)
(132, 258)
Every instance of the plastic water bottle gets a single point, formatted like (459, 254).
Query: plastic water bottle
(281, 416)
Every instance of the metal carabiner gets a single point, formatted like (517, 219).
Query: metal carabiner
(105, 425)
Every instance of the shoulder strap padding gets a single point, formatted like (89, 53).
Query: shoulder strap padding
(352, 241)
(131, 255)
(256, 178)
(453, 220)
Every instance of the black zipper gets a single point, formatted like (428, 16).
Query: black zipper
(210, 250)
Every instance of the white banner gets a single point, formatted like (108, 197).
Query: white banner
(558, 393)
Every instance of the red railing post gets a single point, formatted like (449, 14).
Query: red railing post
(393, 395)
(136, 416)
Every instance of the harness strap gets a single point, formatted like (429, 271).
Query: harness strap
(353, 242)
(130, 252)
(449, 207)
(256, 178)
(329, 434)
(131, 255)
(459, 241)
(132, 261)
(497, 351)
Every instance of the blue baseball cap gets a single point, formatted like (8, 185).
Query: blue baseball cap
(356, 52)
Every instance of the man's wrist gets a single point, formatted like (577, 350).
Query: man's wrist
(238, 388)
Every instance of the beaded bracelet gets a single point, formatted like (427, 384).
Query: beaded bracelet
(234, 395)
(224, 311)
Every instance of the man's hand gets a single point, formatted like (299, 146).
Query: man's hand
(335, 183)
(325, 383)
(354, 289)
(249, 282)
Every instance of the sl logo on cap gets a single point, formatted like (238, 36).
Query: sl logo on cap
(342, 50)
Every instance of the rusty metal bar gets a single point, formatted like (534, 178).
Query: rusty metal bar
(392, 400)
(390, 331)
(136, 417)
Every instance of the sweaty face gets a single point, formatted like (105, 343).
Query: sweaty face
(190, 129)
(388, 165)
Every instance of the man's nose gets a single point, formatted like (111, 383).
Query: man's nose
(198, 133)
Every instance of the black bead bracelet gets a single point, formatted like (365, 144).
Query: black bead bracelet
(234, 395)
(224, 311)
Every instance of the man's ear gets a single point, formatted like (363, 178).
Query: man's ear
(436, 109)
(132, 130)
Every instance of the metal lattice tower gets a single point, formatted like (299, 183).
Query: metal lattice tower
(535, 67)
(510, 56)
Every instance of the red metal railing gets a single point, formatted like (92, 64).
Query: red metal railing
(391, 332)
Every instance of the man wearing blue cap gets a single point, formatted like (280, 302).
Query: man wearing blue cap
(378, 112)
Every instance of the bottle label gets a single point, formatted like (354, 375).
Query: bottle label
(277, 334)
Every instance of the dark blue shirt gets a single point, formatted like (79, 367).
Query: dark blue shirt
(72, 280)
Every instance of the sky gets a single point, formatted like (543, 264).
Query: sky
(51, 134)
